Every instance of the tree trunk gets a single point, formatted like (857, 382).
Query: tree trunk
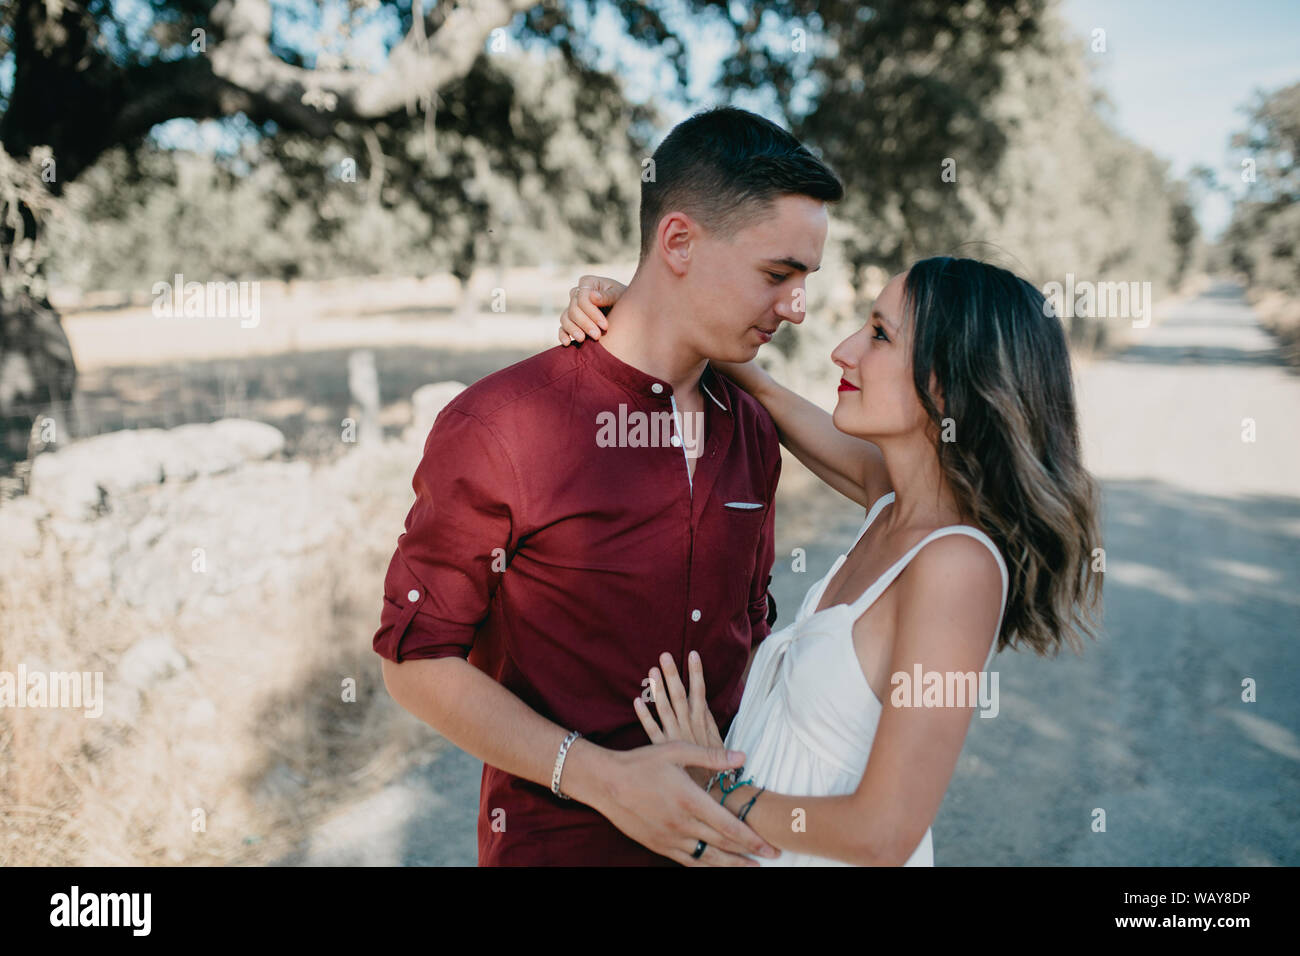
(37, 378)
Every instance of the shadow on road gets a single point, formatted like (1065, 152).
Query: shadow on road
(304, 394)
(1149, 726)
(1201, 355)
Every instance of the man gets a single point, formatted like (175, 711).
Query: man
(545, 567)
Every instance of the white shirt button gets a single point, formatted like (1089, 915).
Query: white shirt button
(676, 441)
(413, 595)
(656, 388)
(695, 615)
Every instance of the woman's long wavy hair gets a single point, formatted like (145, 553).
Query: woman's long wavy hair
(1002, 367)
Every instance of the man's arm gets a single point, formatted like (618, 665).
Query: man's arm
(437, 593)
(483, 718)
(645, 792)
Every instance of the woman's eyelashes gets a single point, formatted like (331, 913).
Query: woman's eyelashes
(880, 334)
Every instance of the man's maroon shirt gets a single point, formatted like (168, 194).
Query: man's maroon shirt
(611, 556)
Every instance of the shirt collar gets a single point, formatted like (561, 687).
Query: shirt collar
(616, 370)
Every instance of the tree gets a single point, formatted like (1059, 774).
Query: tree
(86, 81)
(1263, 237)
(896, 92)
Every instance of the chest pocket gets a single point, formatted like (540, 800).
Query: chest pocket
(741, 518)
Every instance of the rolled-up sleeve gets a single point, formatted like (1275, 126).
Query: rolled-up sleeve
(460, 534)
(762, 609)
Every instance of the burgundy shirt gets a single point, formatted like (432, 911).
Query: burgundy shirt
(563, 569)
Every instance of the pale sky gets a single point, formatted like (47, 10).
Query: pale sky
(1178, 72)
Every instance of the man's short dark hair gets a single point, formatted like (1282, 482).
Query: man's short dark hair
(724, 167)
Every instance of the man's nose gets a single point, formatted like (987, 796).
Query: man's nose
(793, 307)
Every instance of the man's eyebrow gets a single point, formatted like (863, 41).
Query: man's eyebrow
(792, 264)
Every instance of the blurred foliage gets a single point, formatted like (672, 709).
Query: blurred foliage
(518, 167)
(1262, 240)
(534, 158)
(1071, 194)
(1000, 91)
(893, 89)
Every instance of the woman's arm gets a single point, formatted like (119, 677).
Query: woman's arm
(853, 467)
(947, 608)
(587, 302)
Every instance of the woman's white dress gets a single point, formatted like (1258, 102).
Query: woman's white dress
(808, 716)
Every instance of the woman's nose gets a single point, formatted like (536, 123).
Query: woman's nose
(846, 354)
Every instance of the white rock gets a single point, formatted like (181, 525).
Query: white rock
(197, 450)
(82, 477)
(149, 661)
(260, 529)
(121, 704)
(200, 713)
(61, 482)
(20, 528)
(426, 402)
(254, 440)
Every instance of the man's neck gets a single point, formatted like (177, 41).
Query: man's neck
(644, 333)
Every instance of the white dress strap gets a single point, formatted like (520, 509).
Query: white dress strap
(871, 516)
(859, 607)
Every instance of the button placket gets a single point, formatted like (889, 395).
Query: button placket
(677, 443)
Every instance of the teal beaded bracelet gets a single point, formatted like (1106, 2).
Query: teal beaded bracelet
(720, 774)
(726, 790)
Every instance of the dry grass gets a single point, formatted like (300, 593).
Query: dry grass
(253, 735)
(1280, 314)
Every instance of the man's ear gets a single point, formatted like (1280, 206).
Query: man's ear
(677, 234)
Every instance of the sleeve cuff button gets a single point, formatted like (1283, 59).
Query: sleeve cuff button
(413, 595)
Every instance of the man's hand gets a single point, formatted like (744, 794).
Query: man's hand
(650, 798)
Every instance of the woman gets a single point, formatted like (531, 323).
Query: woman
(955, 428)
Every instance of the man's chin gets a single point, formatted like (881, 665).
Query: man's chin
(739, 353)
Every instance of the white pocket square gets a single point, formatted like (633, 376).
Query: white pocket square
(744, 505)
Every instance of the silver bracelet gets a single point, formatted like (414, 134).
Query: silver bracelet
(559, 763)
(733, 774)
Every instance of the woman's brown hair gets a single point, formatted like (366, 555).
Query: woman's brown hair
(999, 358)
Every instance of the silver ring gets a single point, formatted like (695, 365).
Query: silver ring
(699, 849)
